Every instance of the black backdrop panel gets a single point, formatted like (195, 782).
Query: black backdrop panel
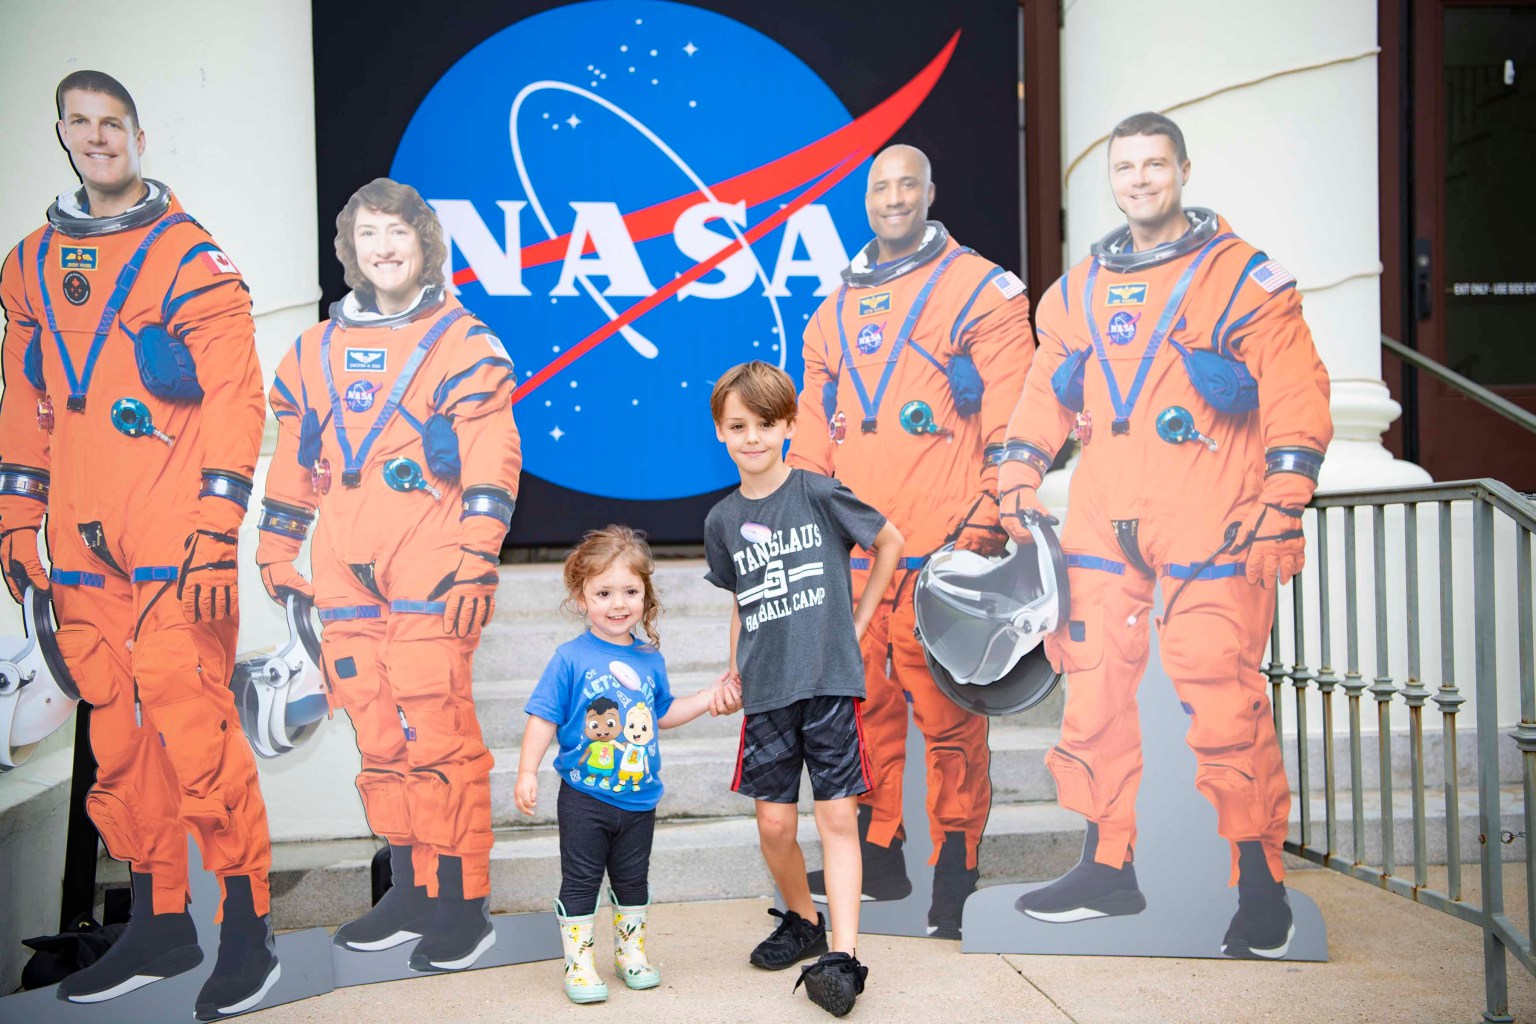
(375, 64)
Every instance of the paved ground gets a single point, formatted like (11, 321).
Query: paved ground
(1393, 961)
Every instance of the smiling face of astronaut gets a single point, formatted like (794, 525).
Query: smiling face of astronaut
(104, 143)
(389, 256)
(896, 198)
(602, 725)
(638, 727)
(1148, 179)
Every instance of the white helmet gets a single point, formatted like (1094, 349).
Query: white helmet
(37, 694)
(981, 621)
(281, 695)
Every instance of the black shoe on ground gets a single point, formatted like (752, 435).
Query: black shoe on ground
(247, 966)
(793, 940)
(834, 982)
(400, 916)
(885, 868)
(1089, 890)
(1263, 927)
(152, 948)
(952, 883)
(459, 931)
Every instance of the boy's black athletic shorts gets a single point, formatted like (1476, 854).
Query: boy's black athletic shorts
(823, 733)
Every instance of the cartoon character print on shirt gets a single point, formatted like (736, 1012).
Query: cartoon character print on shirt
(619, 701)
(635, 764)
(601, 727)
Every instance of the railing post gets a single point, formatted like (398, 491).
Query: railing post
(1299, 678)
(1415, 693)
(1490, 821)
(1525, 732)
(1354, 685)
(1383, 690)
(1449, 699)
(1327, 679)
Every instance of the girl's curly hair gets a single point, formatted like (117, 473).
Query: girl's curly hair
(600, 549)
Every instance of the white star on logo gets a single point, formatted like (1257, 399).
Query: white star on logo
(557, 433)
(573, 120)
(690, 49)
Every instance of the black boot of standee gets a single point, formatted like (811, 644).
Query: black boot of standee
(885, 867)
(1263, 927)
(952, 883)
(247, 966)
(460, 930)
(1087, 891)
(152, 948)
(400, 916)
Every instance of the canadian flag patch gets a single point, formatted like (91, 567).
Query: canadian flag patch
(217, 262)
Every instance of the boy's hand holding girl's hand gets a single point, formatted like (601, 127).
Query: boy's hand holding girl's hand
(526, 794)
(725, 698)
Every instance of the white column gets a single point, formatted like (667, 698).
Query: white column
(1278, 110)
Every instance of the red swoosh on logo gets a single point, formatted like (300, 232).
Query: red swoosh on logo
(834, 156)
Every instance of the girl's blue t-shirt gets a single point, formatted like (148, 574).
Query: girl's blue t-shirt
(605, 700)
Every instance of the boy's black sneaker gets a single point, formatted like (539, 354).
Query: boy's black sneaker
(152, 948)
(1089, 890)
(885, 868)
(793, 940)
(834, 982)
(1263, 926)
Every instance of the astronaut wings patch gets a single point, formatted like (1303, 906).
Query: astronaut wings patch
(1009, 284)
(1271, 276)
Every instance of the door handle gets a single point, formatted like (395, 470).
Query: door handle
(1423, 304)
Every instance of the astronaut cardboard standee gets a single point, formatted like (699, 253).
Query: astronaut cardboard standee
(913, 365)
(132, 417)
(1185, 349)
(396, 443)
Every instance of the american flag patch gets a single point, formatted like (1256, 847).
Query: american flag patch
(1009, 284)
(1271, 276)
(217, 262)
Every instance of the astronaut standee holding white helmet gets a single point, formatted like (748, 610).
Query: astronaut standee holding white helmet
(1178, 354)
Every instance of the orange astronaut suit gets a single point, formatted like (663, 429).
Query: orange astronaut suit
(1169, 485)
(388, 562)
(130, 319)
(879, 362)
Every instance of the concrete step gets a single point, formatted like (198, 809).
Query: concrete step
(1511, 765)
(697, 772)
(326, 882)
(537, 590)
(499, 706)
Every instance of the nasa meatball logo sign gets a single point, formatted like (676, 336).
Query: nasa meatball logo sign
(639, 195)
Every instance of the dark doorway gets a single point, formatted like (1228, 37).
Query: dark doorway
(1459, 142)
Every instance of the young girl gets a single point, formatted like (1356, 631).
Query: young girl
(604, 695)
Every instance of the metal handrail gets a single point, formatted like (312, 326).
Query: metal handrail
(1341, 839)
(1503, 406)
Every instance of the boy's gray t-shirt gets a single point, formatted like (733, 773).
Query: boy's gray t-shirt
(785, 557)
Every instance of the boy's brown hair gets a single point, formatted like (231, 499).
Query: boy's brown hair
(763, 388)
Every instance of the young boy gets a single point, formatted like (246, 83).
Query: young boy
(780, 543)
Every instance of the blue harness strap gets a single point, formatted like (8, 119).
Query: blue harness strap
(914, 562)
(356, 611)
(71, 578)
(156, 573)
(1095, 562)
(872, 405)
(1126, 405)
(80, 384)
(354, 462)
(1211, 572)
(418, 607)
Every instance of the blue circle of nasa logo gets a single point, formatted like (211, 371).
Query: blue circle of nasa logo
(359, 396)
(581, 160)
(870, 337)
(1122, 327)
